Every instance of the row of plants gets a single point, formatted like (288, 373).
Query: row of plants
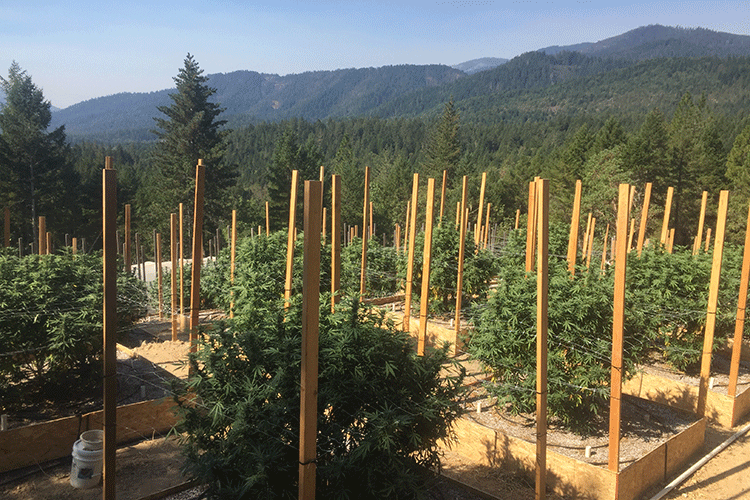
(666, 302)
(51, 320)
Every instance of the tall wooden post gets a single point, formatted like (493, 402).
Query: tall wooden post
(590, 244)
(290, 240)
(442, 196)
(458, 214)
(542, 290)
(309, 369)
(644, 218)
(173, 273)
(667, 212)
(42, 235)
(127, 255)
(406, 225)
(584, 251)
(739, 324)
(460, 277)
(708, 239)
(232, 257)
(365, 236)
(701, 221)
(48, 243)
(335, 240)
(426, 261)
(618, 321)
(109, 244)
(268, 221)
(531, 228)
(74, 245)
(477, 233)
(713, 300)
(631, 233)
(410, 259)
(195, 282)
(574, 225)
(486, 232)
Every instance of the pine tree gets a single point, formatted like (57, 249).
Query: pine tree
(190, 131)
(443, 148)
(36, 175)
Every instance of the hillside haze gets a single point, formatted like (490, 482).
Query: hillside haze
(406, 90)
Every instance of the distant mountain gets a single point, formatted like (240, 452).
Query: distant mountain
(410, 90)
(653, 41)
(477, 65)
(249, 96)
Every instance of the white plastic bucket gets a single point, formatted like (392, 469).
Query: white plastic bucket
(93, 439)
(86, 469)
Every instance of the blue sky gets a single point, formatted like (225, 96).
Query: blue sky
(79, 50)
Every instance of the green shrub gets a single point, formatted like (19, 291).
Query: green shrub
(381, 408)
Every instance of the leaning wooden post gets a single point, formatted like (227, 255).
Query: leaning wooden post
(530, 228)
(159, 273)
(7, 227)
(410, 259)
(335, 240)
(478, 232)
(442, 196)
(42, 235)
(195, 282)
(701, 221)
(518, 216)
(232, 256)
(713, 300)
(590, 244)
(618, 320)
(739, 324)
(486, 233)
(365, 236)
(173, 273)
(574, 225)
(290, 241)
(460, 277)
(667, 212)
(631, 233)
(586, 237)
(542, 289)
(109, 244)
(644, 218)
(426, 260)
(309, 369)
(127, 255)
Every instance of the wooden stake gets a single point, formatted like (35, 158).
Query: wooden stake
(486, 227)
(410, 259)
(590, 244)
(477, 233)
(74, 245)
(109, 244)
(195, 282)
(708, 239)
(584, 251)
(335, 240)
(460, 277)
(290, 241)
(232, 257)
(518, 216)
(670, 240)
(604, 248)
(542, 290)
(739, 324)
(310, 312)
(48, 244)
(127, 253)
(426, 260)
(42, 235)
(173, 273)
(701, 221)
(530, 228)
(323, 231)
(365, 238)
(618, 320)
(667, 212)
(574, 225)
(631, 233)
(644, 218)
(406, 226)
(713, 300)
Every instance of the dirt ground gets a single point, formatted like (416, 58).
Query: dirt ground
(146, 468)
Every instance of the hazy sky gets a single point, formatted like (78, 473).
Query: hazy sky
(78, 50)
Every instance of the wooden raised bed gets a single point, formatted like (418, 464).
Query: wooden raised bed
(568, 476)
(37, 443)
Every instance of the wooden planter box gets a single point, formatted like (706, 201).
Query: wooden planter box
(37, 443)
(720, 408)
(574, 478)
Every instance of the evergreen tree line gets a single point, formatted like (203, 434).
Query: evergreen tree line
(692, 147)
